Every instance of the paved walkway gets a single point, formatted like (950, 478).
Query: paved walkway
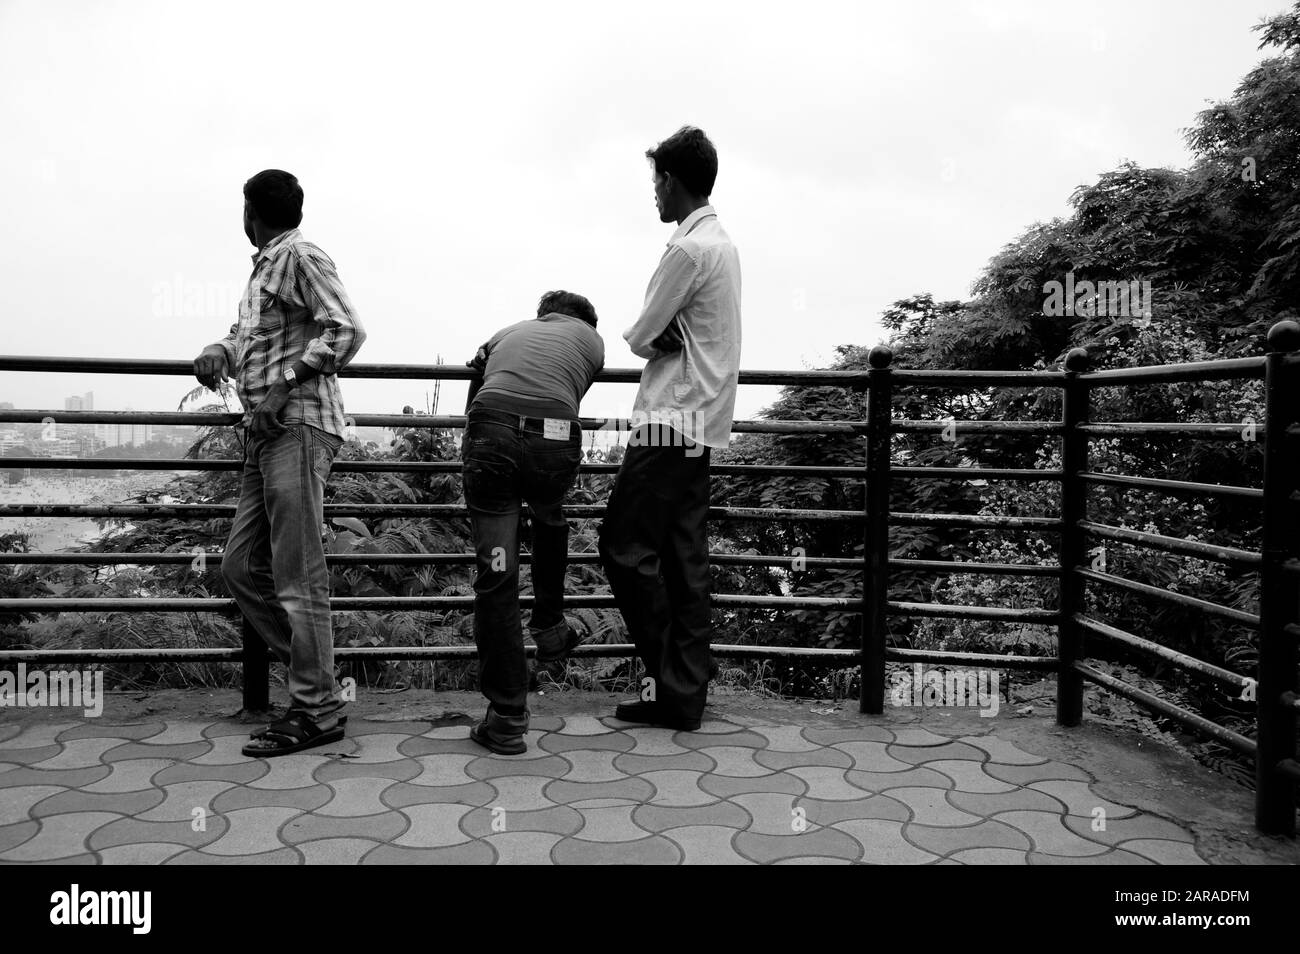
(766, 784)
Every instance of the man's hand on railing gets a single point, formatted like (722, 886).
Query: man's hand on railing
(479, 361)
(210, 367)
(670, 339)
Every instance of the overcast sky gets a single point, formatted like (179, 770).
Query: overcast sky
(458, 161)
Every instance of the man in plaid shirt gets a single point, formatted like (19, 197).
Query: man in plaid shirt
(296, 330)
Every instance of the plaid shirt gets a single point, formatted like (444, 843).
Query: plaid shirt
(294, 309)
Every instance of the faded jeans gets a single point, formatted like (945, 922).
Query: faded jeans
(507, 459)
(274, 562)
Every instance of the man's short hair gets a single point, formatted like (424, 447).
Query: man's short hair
(688, 156)
(566, 303)
(276, 197)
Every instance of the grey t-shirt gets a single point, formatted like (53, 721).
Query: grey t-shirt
(543, 366)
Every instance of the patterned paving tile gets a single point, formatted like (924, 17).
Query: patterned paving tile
(1122, 829)
(1162, 851)
(812, 860)
(180, 752)
(317, 827)
(144, 853)
(631, 790)
(417, 746)
(1002, 751)
(870, 757)
(584, 725)
(129, 776)
(402, 771)
(60, 837)
(241, 797)
(659, 818)
(780, 761)
(769, 814)
(784, 738)
(79, 753)
(968, 776)
(251, 830)
(9, 731)
(677, 788)
(241, 773)
(16, 803)
(225, 750)
(280, 856)
(884, 781)
(589, 766)
(858, 733)
(173, 733)
(654, 850)
(11, 836)
(446, 769)
(1043, 771)
(376, 747)
(1111, 857)
(99, 729)
(67, 778)
(563, 744)
(523, 847)
(433, 826)
(1022, 799)
(336, 851)
(1049, 835)
(72, 800)
(703, 740)
(990, 856)
(919, 737)
(734, 761)
(882, 843)
(930, 807)
(40, 734)
(921, 755)
(527, 793)
(612, 823)
(491, 819)
(488, 767)
(766, 849)
(297, 771)
(648, 740)
(402, 794)
(352, 797)
(469, 853)
(781, 782)
(129, 831)
(685, 761)
(180, 800)
(827, 784)
(32, 755)
(1079, 799)
(987, 834)
(826, 814)
(707, 845)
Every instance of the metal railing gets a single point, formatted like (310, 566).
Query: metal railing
(1278, 562)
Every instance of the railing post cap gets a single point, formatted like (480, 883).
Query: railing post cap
(1284, 336)
(1077, 360)
(880, 356)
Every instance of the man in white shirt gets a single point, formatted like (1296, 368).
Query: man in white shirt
(653, 542)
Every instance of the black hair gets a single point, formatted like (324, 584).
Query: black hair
(566, 303)
(687, 155)
(276, 197)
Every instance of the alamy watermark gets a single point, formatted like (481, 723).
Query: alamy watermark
(1096, 299)
(57, 688)
(945, 687)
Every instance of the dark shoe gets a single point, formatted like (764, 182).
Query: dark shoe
(555, 643)
(653, 713)
(295, 732)
(502, 734)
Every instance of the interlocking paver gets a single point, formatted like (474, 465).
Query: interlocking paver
(558, 820)
(630, 763)
(180, 800)
(179, 752)
(433, 826)
(1000, 750)
(990, 856)
(827, 784)
(584, 725)
(401, 794)
(658, 818)
(469, 853)
(1163, 851)
(649, 740)
(769, 813)
(356, 796)
(882, 842)
(654, 850)
(914, 737)
(11, 836)
(523, 847)
(1122, 829)
(417, 746)
(441, 769)
(241, 773)
(336, 851)
(405, 770)
(970, 776)
(780, 761)
(869, 757)
(930, 807)
(41, 734)
(1049, 834)
(873, 806)
(1111, 857)
(225, 750)
(884, 781)
(613, 823)
(1024, 799)
(129, 831)
(707, 845)
(297, 771)
(598, 766)
(62, 836)
(376, 747)
(173, 733)
(80, 753)
(488, 767)
(16, 803)
(784, 738)
(1043, 771)
(65, 778)
(131, 775)
(924, 754)
(860, 733)
(527, 793)
(33, 754)
(986, 834)
(279, 856)
(251, 830)
(737, 737)
(783, 782)
(381, 828)
(99, 729)
(240, 797)
(631, 790)
(766, 849)
(76, 800)
(1079, 799)
(563, 744)
(734, 761)
(677, 788)
(141, 853)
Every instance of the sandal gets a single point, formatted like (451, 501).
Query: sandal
(261, 733)
(295, 732)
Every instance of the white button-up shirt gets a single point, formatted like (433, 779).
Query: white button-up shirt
(698, 283)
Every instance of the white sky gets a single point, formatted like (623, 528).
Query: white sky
(459, 161)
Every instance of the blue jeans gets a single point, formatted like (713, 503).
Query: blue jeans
(507, 459)
(274, 562)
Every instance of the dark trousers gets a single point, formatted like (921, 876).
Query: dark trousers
(655, 548)
(507, 460)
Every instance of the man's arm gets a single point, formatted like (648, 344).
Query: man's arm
(215, 362)
(342, 335)
(671, 289)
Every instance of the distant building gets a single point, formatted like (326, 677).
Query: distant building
(80, 402)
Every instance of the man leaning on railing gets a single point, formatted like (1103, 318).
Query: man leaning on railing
(296, 330)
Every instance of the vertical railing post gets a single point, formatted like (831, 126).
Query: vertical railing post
(257, 670)
(1074, 508)
(875, 551)
(1279, 592)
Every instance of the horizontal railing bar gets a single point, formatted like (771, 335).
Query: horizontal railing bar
(976, 473)
(976, 427)
(588, 651)
(989, 660)
(975, 521)
(398, 466)
(1204, 551)
(1177, 713)
(1216, 370)
(1172, 486)
(944, 610)
(1182, 660)
(974, 379)
(991, 569)
(1182, 599)
(1231, 432)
